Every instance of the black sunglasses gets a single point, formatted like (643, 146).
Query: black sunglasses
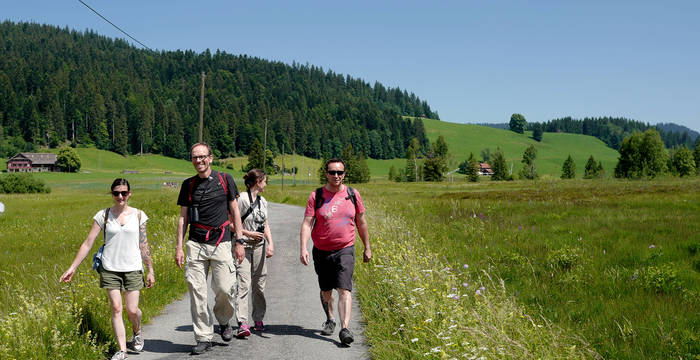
(116, 193)
(336, 172)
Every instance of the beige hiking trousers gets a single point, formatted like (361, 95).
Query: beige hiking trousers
(201, 258)
(252, 274)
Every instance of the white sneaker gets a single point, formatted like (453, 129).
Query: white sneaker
(137, 342)
(119, 355)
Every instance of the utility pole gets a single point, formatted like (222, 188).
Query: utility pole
(415, 166)
(294, 173)
(265, 147)
(282, 167)
(201, 109)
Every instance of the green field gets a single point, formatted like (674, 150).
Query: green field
(463, 139)
(551, 152)
(554, 269)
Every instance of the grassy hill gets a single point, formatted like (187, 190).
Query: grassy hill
(100, 167)
(461, 138)
(551, 152)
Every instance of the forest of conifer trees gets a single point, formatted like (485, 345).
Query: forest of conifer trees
(612, 130)
(59, 85)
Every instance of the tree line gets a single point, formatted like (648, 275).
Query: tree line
(61, 86)
(612, 130)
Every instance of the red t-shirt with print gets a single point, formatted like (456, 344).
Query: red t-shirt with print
(335, 219)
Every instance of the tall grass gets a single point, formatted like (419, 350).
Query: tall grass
(608, 268)
(418, 304)
(42, 319)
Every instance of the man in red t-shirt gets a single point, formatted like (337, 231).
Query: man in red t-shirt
(334, 251)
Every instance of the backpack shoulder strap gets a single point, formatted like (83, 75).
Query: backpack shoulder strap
(319, 198)
(250, 206)
(352, 197)
(223, 181)
(192, 181)
(104, 225)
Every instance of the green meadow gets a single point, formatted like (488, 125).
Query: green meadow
(544, 269)
(463, 139)
(535, 269)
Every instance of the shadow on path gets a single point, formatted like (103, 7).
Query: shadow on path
(292, 321)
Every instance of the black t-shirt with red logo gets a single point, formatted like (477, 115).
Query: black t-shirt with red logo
(209, 196)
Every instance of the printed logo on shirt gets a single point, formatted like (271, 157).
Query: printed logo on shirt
(331, 209)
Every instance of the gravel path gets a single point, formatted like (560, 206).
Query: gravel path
(294, 314)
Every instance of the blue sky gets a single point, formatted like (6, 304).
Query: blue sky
(473, 61)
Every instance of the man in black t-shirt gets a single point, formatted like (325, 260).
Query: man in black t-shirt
(208, 203)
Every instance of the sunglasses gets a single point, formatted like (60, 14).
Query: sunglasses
(200, 157)
(117, 193)
(336, 172)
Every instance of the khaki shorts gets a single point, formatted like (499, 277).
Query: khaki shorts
(129, 281)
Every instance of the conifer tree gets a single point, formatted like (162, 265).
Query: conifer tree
(472, 170)
(499, 166)
(568, 170)
(363, 170)
(255, 156)
(528, 170)
(356, 169)
(121, 145)
(435, 164)
(591, 169)
(537, 132)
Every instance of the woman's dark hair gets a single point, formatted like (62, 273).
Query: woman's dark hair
(252, 177)
(120, 181)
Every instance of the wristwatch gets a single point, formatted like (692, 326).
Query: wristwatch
(240, 241)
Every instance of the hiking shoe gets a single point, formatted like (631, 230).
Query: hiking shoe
(328, 327)
(259, 326)
(119, 355)
(226, 332)
(243, 331)
(201, 347)
(346, 336)
(137, 342)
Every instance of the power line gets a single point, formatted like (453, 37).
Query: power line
(105, 19)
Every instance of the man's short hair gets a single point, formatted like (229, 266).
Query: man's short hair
(335, 160)
(200, 144)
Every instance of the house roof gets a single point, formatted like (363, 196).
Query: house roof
(37, 158)
(485, 165)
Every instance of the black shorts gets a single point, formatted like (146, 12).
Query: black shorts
(334, 268)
